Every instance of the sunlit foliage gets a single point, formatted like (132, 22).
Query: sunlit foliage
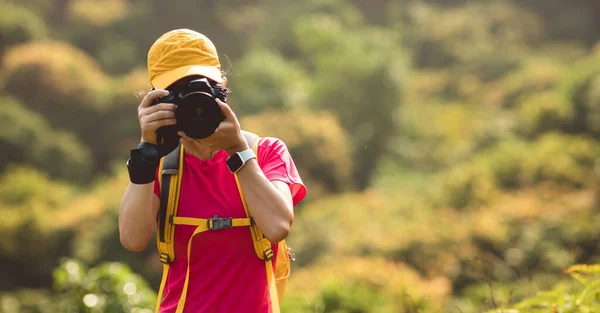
(450, 148)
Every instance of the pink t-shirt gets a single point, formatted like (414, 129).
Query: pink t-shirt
(226, 275)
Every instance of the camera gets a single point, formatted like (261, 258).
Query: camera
(198, 114)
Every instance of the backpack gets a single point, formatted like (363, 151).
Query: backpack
(169, 179)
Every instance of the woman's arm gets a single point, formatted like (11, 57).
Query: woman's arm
(139, 206)
(137, 216)
(269, 202)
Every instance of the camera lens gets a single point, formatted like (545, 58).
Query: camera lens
(198, 115)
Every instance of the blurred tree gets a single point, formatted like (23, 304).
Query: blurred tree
(315, 140)
(482, 39)
(580, 89)
(357, 72)
(25, 137)
(366, 284)
(270, 23)
(93, 215)
(121, 35)
(19, 25)
(28, 301)
(113, 50)
(39, 7)
(537, 74)
(543, 112)
(343, 298)
(493, 133)
(58, 80)
(30, 244)
(73, 94)
(332, 39)
(264, 80)
(108, 287)
(567, 21)
(513, 164)
(208, 17)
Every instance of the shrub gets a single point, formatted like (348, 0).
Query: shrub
(59, 81)
(319, 146)
(567, 296)
(19, 25)
(26, 137)
(265, 81)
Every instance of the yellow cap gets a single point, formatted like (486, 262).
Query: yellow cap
(180, 53)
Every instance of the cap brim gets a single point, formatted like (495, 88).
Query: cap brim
(165, 79)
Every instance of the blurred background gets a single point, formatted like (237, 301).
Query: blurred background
(450, 148)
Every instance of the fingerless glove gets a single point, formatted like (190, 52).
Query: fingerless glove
(142, 163)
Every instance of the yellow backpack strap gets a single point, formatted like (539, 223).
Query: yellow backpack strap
(169, 179)
(212, 224)
(262, 245)
(171, 169)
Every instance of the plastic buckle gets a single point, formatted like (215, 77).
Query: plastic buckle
(165, 258)
(216, 222)
(268, 254)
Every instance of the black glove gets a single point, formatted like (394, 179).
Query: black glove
(142, 163)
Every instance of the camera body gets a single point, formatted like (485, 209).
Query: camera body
(198, 114)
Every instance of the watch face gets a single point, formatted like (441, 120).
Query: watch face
(234, 162)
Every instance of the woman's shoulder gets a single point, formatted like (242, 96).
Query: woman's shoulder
(272, 143)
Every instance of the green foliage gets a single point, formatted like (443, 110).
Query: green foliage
(544, 112)
(266, 81)
(73, 94)
(330, 39)
(580, 89)
(450, 148)
(316, 140)
(27, 138)
(538, 74)
(348, 298)
(109, 287)
(28, 230)
(19, 25)
(74, 79)
(363, 92)
(514, 164)
(565, 297)
(28, 301)
(480, 39)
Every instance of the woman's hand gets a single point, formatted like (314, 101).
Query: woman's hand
(227, 136)
(152, 117)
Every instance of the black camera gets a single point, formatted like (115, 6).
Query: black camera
(198, 114)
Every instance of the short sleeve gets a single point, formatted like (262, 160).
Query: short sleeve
(277, 164)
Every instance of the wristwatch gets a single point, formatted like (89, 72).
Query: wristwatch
(237, 160)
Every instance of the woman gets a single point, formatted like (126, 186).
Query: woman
(225, 275)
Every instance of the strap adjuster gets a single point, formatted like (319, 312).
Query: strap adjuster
(268, 254)
(165, 258)
(216, 222)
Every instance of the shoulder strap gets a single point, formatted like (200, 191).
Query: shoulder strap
(169, 178)
(262, 246)
(170, 167)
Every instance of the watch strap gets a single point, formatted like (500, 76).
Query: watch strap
(237, 160)
(247, 155)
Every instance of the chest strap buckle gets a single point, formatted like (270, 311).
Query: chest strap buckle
(215, 223)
